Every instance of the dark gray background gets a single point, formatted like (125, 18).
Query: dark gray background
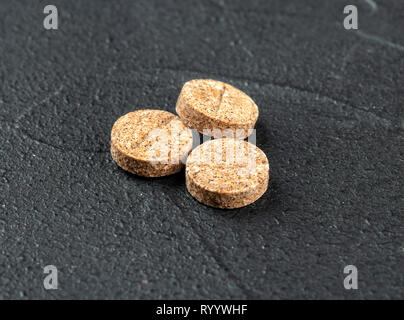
(331, 123)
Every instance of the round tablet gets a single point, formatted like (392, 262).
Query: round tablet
(150, 143)
(227, 173)
(215, 108)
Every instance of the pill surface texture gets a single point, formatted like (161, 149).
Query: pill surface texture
(227, 173)
(150, 143)
(214, 107)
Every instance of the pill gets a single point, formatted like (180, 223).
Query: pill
(215, 108)
(227, 173)
(150, 143)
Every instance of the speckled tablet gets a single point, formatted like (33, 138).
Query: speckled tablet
(227, 173)
(212, 107)
(150, 143)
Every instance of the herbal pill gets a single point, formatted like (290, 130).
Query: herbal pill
(150, 143)
(227, 173)
(211, 107)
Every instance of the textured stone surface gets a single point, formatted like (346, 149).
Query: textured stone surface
(331, 123)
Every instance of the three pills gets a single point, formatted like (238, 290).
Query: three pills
(226, 172)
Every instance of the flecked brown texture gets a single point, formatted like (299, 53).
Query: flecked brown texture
(227, 173)
(205, 104)
(150, 143)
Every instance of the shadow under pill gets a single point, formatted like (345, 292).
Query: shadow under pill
(177, 179)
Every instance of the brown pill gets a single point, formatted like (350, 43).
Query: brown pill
(150, 143)
(216, 109)
(227, 173)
